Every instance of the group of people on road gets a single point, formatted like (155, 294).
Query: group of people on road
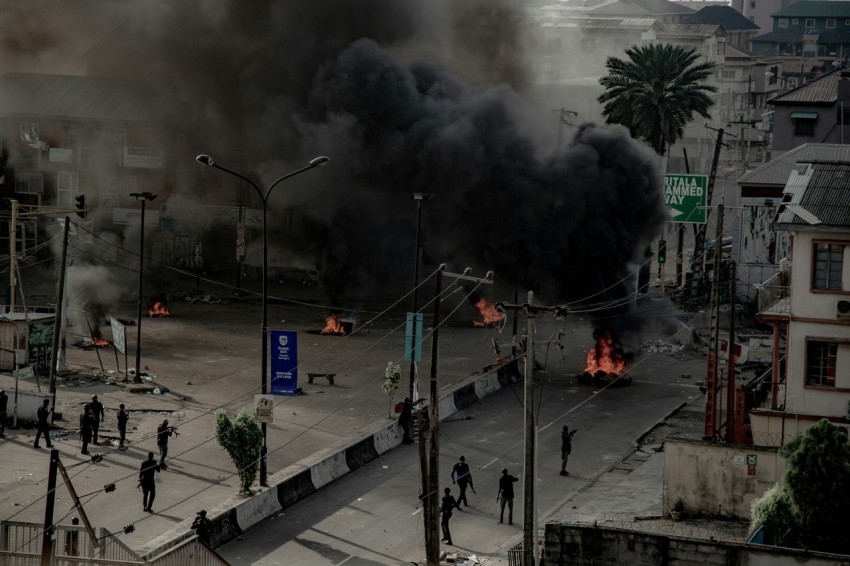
(462, 476)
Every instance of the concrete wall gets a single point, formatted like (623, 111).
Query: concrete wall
(28, 404)
(587, 545)
(715, 479)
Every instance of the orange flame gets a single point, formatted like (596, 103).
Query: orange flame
(333, 325)
(491, 316)
(159, 309)
(605, 357)
(99, 342)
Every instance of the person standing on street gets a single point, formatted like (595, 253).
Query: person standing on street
(566, 448)
(404, 420)
(42, 426)
(4, 402)
(163, 432)
(86, 428)
(201, 525)
(506, 496)
(97, 416)
(446, 507)
(462, 475)
(146, 481)
(122, 417)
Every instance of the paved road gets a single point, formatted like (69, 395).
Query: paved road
(372, 516)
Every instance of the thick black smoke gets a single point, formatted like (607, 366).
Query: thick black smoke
(404, 96)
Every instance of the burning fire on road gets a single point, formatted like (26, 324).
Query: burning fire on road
(335, 326)
(158, 309)
(606, 362)
(490, 316)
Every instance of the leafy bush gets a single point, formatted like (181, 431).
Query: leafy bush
(774, 510)
(392, 381)
(243, 440)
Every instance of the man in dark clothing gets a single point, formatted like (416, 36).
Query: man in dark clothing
(42, 426)
(146, 482)
(202, 526)
(4, 402)
(86, 428)
(566, 448)
(463, 477)
(163, 432)
(506, 496)
(404, 420)
(97, 416)
(446, 507)
(122, 417)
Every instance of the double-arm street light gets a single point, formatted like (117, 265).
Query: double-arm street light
(264, 330)
(144, 198)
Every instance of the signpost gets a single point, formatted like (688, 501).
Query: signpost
(284, 360)
(687, 198)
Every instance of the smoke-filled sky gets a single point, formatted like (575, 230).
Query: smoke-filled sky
(404, 96)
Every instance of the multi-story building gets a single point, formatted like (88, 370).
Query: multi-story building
(808, 305)
(808, 29)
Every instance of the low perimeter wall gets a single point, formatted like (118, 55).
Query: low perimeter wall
(585, 545)
(304, 478)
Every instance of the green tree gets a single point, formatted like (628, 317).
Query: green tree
(656, 91)
(392, 381)
(818, 480)
(774, 511)
(242, 437)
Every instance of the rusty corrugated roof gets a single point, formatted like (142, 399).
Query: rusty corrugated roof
(820, 90)
(822, 190)
(777, 170)
(71, 96)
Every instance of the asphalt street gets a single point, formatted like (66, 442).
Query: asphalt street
(205, 357)
(373, 515)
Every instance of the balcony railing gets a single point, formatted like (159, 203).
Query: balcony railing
(774, 295)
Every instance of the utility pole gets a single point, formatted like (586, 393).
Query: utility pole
(712, 383)
(13, 254)
(529, 522)
(697, 282)
(731, 382)
(429, 497)
(47, 532)
(563, 120)
(418, 197)
(57, 320)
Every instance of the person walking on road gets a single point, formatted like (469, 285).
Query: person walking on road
(147, 483)
(462, 475)
(97, 414)
(446, 507)
(122, 417)
(42, 426)
(4, 402)
(163, 432)
(566, 448)
(506, 496)
(86, 428)
(404, 420)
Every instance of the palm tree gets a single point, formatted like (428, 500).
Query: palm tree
(656, 91)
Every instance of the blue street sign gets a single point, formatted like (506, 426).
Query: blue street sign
(413, 337)
(284, 354)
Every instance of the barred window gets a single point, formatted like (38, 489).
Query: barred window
(820, 363)
(829, 262)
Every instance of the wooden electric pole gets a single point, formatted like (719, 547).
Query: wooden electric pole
(57, 319)
(529, 526)
(431, 471)
(712, 379)
(698, 278)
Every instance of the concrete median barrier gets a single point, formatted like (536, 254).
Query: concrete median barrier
(300, 480)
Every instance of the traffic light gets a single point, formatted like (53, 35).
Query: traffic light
(662, 251)
(81, 205)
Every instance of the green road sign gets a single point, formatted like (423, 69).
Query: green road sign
(686, 197)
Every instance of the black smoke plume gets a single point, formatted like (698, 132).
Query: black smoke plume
(404, 96)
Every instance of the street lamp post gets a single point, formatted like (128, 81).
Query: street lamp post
(418, 197)
(143, 198)
(264, 329)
